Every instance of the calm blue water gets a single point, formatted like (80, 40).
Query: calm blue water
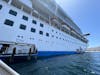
(79, 64)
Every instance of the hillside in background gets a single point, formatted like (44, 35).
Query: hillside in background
(94, 49)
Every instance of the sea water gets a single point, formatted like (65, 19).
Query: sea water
(78, 64)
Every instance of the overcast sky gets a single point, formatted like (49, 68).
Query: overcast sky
(86, 14)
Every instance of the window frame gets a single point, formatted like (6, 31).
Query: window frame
(41, 25)
(1, 6)
(33, 30)
(22, 27)
(41, 32)
(47, 34)
(12, 12)
(34, 21)
(25, 18)
(9, 22)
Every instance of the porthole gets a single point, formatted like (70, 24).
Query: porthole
(33, 30)
(47, 34)
(0, 7)
(23, 27)
(41, 32)
(41, 25)
(8, 22)
(25, 18)
(34, 22)
(12, 12)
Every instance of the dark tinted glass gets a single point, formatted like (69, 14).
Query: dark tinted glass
(34, 22)
(33, 30)
(13, 12)
(47, 34)
(25, 18)
(41, 32)
(41, 24)
(23, 27)
(0, 7)
(8, 22)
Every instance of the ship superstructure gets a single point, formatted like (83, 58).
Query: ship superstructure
(41, 27)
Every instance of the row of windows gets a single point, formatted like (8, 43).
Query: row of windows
(23, 27)
(12, 12)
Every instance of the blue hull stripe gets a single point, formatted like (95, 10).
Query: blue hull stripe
(53, 53)
(40, 54)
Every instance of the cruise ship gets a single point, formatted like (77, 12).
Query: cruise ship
(37, 28)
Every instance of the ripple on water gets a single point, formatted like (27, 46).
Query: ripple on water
(82, 64)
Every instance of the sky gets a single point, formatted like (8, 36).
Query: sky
(86, 14)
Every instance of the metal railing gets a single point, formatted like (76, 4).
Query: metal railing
(6, 70)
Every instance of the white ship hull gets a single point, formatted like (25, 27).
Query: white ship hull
(47, 39)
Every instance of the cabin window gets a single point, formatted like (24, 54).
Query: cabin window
(12, 12)
(52, 30)
(34, 22)
(52, 35)
(41, 25)
(25, 18)
(57, 37)
(47, 34)
(23, 27)
(0, 7)
(8, 22)
(41, 32)
(33, 30)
